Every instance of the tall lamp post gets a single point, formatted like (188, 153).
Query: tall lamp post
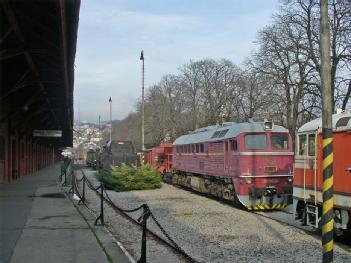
(100, 131)
(142, 104)
(110, 100)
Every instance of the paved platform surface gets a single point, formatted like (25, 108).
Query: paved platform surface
(38, 223)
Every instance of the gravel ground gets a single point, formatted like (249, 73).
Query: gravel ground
(209, 230)
(126, 232)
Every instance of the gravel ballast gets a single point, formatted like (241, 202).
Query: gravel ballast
(208, 230)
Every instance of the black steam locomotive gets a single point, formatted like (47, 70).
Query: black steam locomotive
(92, 158)
(116, 152)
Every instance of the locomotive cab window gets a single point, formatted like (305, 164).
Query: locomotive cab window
(311, 145)
(302, 144)
(280, 141)
(256, 141)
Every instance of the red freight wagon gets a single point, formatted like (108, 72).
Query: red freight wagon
(308, 172)
(160, 157)
(250, 163)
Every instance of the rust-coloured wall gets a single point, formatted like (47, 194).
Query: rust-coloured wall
(21, 156)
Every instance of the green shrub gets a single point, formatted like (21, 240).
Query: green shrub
(129, 177)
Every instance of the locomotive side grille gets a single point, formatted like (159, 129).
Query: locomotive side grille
(270, 169)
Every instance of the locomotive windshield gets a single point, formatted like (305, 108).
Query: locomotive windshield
(280, 142)
(256, 141)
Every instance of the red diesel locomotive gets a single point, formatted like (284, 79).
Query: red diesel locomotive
(248, 163)
(308, 172)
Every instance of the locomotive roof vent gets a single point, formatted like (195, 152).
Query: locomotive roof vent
(268, 125)
(227, 123)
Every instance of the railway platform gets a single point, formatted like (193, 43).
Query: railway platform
(39, 223)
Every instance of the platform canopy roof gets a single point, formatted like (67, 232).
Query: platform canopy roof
(37, 52)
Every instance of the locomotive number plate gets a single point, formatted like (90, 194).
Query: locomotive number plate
(270, 169)
(270, 181)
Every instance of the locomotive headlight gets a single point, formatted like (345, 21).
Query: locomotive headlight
(248, 180)
(268, 125)
(290, 179)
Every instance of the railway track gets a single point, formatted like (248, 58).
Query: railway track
(344, 241)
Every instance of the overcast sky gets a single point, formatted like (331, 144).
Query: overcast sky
(171, 32)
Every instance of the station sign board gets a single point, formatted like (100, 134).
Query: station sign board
(47, 133)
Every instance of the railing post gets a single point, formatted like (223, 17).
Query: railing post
(143, 218)
(71, 190)
(61, 174)
(65, 182)
(101, 216)
(82, 200)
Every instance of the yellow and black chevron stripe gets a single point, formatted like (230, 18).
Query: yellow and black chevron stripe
(327, 214)
(265, 207)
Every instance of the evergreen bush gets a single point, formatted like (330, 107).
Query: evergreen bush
(130, 177)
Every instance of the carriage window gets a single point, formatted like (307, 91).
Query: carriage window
(312, 145)
(233, 145)
(226, 146)
(2, 148)
(197, 148)
(202, 148)
(302, 144)
(255, 141)
(192, 148)
(280, 141)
